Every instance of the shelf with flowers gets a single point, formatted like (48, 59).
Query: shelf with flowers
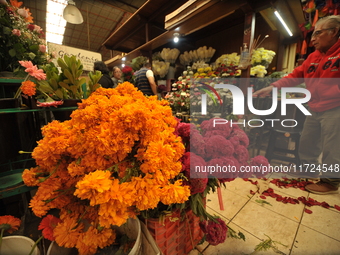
(21, 40)
(49, 87)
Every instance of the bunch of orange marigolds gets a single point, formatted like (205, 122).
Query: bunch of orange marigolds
(117, 156)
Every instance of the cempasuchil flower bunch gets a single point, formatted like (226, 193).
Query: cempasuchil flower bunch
(117, 156)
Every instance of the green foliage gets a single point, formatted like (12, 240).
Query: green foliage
(71, 70)
(268, 244)
(138, 62)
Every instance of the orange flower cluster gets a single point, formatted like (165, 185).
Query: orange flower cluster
(117, 156)
(28, 88)
(9, 223)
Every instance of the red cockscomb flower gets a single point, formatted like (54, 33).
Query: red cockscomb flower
(216, 233)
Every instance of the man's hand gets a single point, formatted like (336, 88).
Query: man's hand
(263, 92)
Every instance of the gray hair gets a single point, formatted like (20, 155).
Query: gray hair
(332, 21)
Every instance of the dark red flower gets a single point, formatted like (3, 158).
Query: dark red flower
(216, 232)
(308, 211)
(218, 146)
(196, 180)
(30, 27)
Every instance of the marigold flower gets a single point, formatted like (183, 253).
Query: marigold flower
(67, 233)
(28, 88)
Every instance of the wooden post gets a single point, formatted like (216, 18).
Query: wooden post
(248, 38)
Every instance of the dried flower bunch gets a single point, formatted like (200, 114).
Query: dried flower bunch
(116, 157)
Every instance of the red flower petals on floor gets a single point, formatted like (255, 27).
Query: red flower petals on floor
(295, 183)
(308, 211)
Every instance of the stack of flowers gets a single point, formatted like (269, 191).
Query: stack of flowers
(128, 74)
(115, 158)
(160, 68)
(179, 97)
(261, 56)
(258, 71)
(228, 59)
(20, 38)
(213, 145)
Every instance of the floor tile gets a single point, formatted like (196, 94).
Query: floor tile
(323, 220)
(237, 246)
(241, 187)
(232, 203)
(312, 242)
(291, 211)
(260, 221)
(331, 199)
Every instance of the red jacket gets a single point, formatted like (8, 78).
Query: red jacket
(325, 92)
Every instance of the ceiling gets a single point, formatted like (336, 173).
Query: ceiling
(101, 32)
(101, 18)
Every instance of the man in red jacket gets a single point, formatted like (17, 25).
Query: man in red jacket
(320, 134)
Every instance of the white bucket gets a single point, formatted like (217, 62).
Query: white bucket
(18, 245)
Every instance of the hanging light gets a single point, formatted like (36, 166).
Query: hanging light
(72, 14)
(176, 37)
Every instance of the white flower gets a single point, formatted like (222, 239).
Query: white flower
(180, 78)
(174, 84)
(185, 73)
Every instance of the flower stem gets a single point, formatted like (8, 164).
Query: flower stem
(35, 245)
(2, 233)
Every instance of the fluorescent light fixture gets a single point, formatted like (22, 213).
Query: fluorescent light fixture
(283, 22)
(55, 24)
(123, 65)
(124, 58)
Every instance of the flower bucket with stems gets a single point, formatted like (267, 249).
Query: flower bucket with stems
(18, 245)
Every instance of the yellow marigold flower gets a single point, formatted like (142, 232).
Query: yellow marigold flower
(94, 186)
(175, 193)
(112, 213)
(68, 232)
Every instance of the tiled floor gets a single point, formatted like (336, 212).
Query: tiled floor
(296, 231)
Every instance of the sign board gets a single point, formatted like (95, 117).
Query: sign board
(86, 57)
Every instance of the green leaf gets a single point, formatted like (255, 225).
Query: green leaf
(59, 93)
(31, 55)
(12, 52)
(34, 47)
(262, 202)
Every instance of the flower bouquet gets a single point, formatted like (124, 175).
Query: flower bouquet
(116, 157)
(21, 40)
(128, 74)
(54, 87)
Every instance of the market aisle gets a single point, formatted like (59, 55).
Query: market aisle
(296, 228)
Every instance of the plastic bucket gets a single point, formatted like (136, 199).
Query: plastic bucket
(17, 245)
